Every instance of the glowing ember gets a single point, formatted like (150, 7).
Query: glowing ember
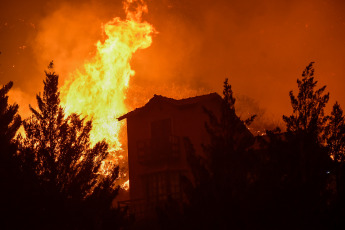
(99, 90)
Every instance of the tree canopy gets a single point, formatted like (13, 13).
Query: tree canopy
(56, 149)
(335, 133)
(10, 182)
(308, 107)
(10, 120)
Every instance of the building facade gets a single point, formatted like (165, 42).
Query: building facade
(156, 153)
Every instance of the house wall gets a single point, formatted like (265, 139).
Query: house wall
(187, 121)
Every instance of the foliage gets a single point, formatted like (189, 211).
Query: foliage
(335, 136)
(335, 133)
(10, 122)
(308, 107)
(229, 139)
(227, 131)
(307, 127)
(281, 178)
(56, 149)
(219, 182)
(307, 173)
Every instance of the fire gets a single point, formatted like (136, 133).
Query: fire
(126, 185)
(99, 89)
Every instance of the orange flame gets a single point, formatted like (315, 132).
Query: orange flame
(99, 89)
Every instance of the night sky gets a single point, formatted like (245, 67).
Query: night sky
(261, 46)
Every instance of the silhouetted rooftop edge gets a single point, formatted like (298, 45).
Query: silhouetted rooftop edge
(175, 102)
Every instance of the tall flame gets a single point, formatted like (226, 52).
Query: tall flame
(99, 89)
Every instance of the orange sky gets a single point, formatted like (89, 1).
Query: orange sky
(262, 46)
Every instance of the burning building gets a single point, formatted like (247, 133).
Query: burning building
(156, 154)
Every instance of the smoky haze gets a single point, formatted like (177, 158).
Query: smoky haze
(261, 46)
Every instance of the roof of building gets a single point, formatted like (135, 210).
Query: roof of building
(180, 103)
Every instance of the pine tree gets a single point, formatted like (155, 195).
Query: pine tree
(335, 134)
(10, 190)
(310, 163)
(10, 121)
(58, 151)
(220, 175)
(308, 107)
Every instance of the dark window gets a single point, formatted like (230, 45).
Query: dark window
(161, 184)
(141, 149)
(175, 146)
(144, 149)
(162, 146)
(160, 134)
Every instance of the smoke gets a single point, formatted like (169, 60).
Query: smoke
(69, 35)
(246, 107)
(261, 46)
(21, 98)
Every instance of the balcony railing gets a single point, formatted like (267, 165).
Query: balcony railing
(147, 208)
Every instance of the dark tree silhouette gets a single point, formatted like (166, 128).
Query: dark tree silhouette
(216, 193)
(308, 124)
(10, 122)
(335, 134)
(276, 181)
(308, 107)
(310, 165)
(57, 150)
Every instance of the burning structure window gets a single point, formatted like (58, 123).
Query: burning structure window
(162, 146)
(160, 185)
(143, 149)
(174, 146)
(160, 134)
(174, 183)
